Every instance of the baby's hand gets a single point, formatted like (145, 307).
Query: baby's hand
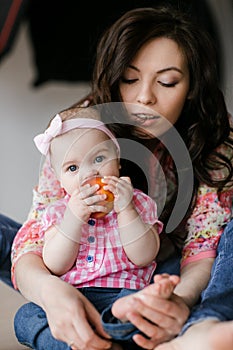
(85, 201)
(122, 189)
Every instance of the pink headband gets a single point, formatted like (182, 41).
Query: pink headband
(58, 127)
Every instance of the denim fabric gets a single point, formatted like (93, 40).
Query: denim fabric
(122, 333)
(171, 266)
(32, 330)
(217, 298)
(31, 326)
(8, 229)
(101, 297)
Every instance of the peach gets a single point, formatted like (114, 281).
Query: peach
(108, 202)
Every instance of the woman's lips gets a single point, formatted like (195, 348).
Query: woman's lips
(142, 117)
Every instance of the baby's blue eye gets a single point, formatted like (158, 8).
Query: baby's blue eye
(99, 159)
(72, 168)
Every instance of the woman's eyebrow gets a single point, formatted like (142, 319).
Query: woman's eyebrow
(135, 68)
(169, 69)
(161, 70)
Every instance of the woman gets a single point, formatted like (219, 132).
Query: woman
(156, 59)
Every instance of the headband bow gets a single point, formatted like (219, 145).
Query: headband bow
(58, 127)
(42, 141)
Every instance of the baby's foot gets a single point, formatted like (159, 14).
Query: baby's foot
(162, 287)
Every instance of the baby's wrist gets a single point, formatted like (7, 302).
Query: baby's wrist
(70, 227)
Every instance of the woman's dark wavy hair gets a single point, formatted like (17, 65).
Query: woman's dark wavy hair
(204, 122)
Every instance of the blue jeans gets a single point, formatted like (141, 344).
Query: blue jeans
(31, 325)
(8, 229)
(32, 330)
(217, 298)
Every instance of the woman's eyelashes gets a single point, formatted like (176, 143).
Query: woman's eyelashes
(128, 81)
(168, 84)
(164, 84)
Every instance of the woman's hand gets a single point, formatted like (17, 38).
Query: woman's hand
(158, 316)
(72, 318)
(168, 317)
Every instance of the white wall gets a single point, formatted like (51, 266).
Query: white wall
(24, 112)
(222, 12)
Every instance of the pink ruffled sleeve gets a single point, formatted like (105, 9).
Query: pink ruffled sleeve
(212, 212)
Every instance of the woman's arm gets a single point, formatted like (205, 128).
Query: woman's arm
(194, 278)
(70, 315)
(205, 226)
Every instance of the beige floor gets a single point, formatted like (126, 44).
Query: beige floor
(10, 302)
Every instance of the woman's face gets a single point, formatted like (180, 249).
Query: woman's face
(156, 83)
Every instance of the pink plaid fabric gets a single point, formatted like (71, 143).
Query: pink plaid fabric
(101, 261)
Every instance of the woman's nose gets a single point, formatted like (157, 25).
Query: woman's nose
(146, 96)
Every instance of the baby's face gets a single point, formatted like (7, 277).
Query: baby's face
(81, 154)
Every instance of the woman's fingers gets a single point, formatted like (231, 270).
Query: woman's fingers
(76, 320)
(146, 343)
(82, 333)
(156, 315)
(86, 325)
(160, 311)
